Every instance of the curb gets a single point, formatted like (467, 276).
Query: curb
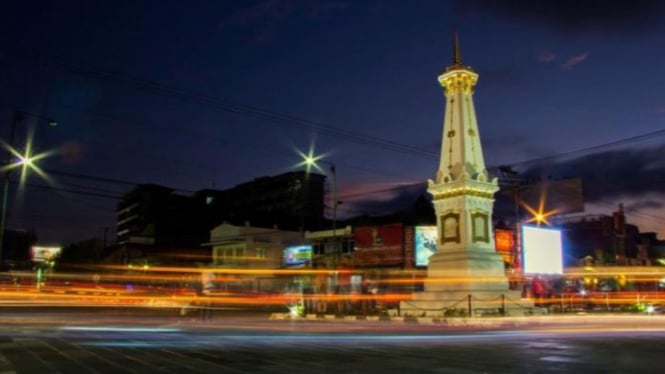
(553, 321)
(373, 319)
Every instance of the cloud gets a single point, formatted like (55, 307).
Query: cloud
(611, 174)
(261, 12)
(608, 178)
(658, 111)
(571, 62)
(263, 19)
(316, 9)
(572, 16)
(634, 176)
(260, 20)
(545, 56)
(383, 201)
(642, 204)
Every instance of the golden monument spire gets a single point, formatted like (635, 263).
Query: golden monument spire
(457, 55)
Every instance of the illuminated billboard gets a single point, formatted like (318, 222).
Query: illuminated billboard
(505, 244)
(541, 248)
(425, 243)
(378, 245)
(41, 254)
(297, 255)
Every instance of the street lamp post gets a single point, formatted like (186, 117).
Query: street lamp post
(514, 181)
(333, 174)
(312, 161)
(18, 117)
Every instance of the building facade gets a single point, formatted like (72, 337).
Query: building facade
(154, 220)
(293, 201)
(237, 250)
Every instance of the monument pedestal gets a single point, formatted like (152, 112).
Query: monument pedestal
(466, 283)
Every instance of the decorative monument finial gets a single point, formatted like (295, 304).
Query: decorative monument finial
(457, 55)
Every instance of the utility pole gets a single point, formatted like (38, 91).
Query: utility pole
(336, 249)
(18, 116)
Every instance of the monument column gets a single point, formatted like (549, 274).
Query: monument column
(466, 266)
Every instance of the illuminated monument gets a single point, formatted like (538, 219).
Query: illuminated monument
(465, 272)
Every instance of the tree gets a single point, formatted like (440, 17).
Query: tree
(83, 252)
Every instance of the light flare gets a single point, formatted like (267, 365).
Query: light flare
(26, 162)
(310, 159)
(539, 216)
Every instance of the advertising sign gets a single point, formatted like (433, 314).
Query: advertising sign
(425, 244)
(505, 244)
(297, 255)
(379, 245)
(542, 250)
(41, 254)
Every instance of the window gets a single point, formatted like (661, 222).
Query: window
(348, 245)
(239, 253)
(261, 253)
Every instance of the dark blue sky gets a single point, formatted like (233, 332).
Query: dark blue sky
(187, 94)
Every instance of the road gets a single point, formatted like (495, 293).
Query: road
(145, 341)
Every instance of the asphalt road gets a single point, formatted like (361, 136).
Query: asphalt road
(145, 341)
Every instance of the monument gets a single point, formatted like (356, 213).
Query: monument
(465, 276)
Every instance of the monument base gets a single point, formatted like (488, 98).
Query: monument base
(465, 303)
(467, 282)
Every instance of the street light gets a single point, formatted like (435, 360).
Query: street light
(25, 161)
(310, 161)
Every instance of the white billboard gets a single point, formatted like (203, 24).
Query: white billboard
(541, 248)
(41, 254)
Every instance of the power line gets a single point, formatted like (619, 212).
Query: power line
(615, 143)
(124, 121)
(103, 179)
(187, 95)
(68, 190)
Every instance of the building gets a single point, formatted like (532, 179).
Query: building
(603, 239)
(155, 215)
(16, 249)
(236, 249)
(293, 201)
(250, 247)
(156, 221)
